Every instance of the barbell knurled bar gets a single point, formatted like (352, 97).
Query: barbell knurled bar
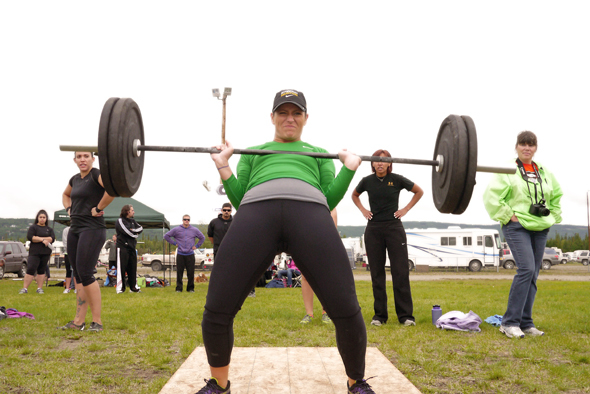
(121, 143)
(261, 152)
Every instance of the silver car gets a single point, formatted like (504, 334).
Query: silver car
(550, 258)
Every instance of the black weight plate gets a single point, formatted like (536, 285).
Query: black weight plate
(103, 143)
(451, 143)
(125, 126)
(471, 166)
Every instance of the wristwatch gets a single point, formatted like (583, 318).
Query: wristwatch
(98, 210)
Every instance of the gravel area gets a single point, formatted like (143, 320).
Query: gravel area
(565, 272)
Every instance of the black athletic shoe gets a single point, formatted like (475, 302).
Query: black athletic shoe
(71, 326)
(360, 387)
(213, 388)
(95, 327)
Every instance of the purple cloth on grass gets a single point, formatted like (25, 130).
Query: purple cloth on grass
(459, 321)
(13, 313)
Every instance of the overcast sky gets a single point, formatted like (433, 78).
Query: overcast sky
(383, 74)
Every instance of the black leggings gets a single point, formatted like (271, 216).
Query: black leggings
(68, 266)
(306, 231)
(83, 250)
(37, 264)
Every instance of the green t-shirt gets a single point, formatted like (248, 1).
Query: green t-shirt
(253, 170)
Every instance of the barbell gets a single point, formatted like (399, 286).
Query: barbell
(121, 143)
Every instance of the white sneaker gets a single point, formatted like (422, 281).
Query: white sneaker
(66, 291)
(409, 322)
(512, 332)
(533, 331)
(376, 322)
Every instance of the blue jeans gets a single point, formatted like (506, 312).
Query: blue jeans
(527, 247)
(289, 272)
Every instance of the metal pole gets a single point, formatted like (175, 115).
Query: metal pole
(223, 123)
(222, 130)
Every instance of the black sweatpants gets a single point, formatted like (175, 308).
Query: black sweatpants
(126, 263)
(306, 231)
(84, 249)
(187, 262)
(390, 237)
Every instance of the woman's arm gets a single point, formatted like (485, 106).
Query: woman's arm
(495, 197)
(357, 201)
(104, 201)
(418, 193)
(66, 198)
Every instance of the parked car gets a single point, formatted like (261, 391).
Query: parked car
(506, 259)
(13, 258)
(550, 258)
(583, 257)
(565, 258)
(203, 260)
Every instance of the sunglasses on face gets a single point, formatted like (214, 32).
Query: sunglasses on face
(186, 220)
(227, 210)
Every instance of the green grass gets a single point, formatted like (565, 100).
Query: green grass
(149, 335)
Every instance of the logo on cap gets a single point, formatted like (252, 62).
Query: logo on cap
(288, 93)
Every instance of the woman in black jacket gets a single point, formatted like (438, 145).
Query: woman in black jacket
(40, 236)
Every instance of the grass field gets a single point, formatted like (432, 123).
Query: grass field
(148, 336)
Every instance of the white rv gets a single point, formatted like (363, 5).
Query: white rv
(453, 247)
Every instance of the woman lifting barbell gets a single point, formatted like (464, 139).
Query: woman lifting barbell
(286, 201)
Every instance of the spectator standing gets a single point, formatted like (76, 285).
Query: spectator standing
(127, 232)
(111, 246)
(69, 282)
(184, 238)
(385, 234)
(526, 203)
(85, 199)
(40, 236)
(219, 226)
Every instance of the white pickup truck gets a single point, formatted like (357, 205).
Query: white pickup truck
(203, 260)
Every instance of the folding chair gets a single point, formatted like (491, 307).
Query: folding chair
(297, 279)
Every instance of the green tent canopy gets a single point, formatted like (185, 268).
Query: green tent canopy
(144, 215)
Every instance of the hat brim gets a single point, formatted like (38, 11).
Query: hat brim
(289, 102)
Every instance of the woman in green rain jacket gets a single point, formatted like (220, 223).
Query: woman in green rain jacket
(526, 204)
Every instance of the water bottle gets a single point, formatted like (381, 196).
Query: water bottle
(436, 313)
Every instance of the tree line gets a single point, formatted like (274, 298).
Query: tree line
(568, 243)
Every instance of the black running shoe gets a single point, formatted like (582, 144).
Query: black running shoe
(213, 388)
(72, 326)
(95, 327)
(360, 387)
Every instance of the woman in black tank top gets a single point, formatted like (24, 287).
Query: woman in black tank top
(85, 199)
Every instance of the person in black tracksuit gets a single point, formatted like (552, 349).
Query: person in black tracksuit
(385, 233)
(219, 226)
(85, 199)
(127, 232)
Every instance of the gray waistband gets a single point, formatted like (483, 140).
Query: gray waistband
(285, 189)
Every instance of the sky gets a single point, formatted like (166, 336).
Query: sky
(381, 75)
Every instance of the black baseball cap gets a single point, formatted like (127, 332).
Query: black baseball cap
(289, 96)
